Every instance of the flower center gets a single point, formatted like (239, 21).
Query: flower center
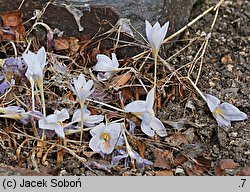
(105, 136)
(218, 111)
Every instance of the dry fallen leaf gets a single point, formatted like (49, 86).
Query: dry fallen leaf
(228, 164)
(163, 158)
(120, 80)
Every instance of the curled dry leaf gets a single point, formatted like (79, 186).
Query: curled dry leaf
(120, 80)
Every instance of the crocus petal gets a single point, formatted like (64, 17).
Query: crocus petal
(147, 129)
(41, 56)
(163, 31)
(51, 118)
(104, 63)
(115, 63)
(94, 143)
(104, 76)
(97, 130)
(115, 160)
(232, 112)
(150, 99)
(81, 80)
(136, 107)
(158, 127)
(148, 28)
(43, 124)
(61, 115)
(212, 102)
(106, 147)
(94, 119)
(59, 130)
(3, 86)
(222, 120)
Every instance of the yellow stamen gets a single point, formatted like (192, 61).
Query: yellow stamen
(105, 136)
(218, 111)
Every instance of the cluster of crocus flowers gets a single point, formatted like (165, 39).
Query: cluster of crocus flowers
(155, 35)
(105, 137)
(105, 66)
(83, 89)
(36, 64)
(224, 113)
(54, 121)
(144, 110)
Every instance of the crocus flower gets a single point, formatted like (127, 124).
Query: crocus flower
(88, 119)
(54, 122)
(156, 34)
(105, 138)
(105, 66)
(82, 88)
(224, 113)
(36, 64)
(18, 113)
(144, 110)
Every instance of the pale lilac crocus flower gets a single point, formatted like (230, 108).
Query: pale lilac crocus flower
(36, 64)
(155, 35)
(83, 89)
(105, 66)
(54, 122)
(144, 110)
(224, 113)
(105, 137)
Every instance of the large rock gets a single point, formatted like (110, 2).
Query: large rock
(175, 11)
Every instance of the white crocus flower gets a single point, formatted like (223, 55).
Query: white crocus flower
(88, 119)
(54, 122)
(156, 34)
(105, 66)
(82, 88)
(144, 110)
(105, 138)
(36, 64)
(224, 113)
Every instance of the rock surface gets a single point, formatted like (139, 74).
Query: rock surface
(57, 16)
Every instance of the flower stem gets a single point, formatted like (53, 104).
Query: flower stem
(155, 54)
(82, 105)
(40, 85)
(32, 95)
